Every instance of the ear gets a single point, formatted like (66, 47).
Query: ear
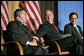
(20, 15)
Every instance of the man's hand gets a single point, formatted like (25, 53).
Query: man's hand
(34, 43)
(42, 40)
(36, 38)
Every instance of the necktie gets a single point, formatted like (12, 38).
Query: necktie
(55, 27)
(77, 30)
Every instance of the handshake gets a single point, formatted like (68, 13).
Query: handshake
(38, 42)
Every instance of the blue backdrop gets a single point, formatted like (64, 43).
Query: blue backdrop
(65, 8)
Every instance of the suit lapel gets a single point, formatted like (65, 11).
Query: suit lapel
(52, 27)
(74, 30)
(79, 30)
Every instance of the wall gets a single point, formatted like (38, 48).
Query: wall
(65, 8)
(49, 5)
(12, 6)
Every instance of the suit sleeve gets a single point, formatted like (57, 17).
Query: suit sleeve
(41, 31)
(14, 35)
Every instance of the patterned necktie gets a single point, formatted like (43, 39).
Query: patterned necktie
(77, 30)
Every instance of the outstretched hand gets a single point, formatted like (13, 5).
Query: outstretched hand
(36, 38)
(33, 43)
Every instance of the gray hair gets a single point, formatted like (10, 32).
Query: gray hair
(17, 12)
(50, 11)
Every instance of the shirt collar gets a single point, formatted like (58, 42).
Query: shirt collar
(19, 21)
(75, 25)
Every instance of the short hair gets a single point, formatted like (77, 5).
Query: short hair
(73, 13)
(17, 12)
(50, 11)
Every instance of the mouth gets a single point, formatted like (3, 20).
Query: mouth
(72, 21)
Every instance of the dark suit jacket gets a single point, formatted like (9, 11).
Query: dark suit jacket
(48, 32)
(16, 31)
(69, 28)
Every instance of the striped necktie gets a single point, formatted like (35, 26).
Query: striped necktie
(77, 30)
(55, 27)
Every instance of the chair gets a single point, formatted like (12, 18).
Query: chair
(9, 43)
(58, 47)
(13, 42)
(5, 44)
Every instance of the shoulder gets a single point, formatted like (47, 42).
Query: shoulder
(44, 24)
(12, 24)
(68, 25)
(79, 26)
(15, 22)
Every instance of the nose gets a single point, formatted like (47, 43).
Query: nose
(73, 19)
(48, 17)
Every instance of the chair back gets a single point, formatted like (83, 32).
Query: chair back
(10, 48)
(3, 48)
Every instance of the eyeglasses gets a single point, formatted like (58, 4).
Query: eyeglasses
(74, 18)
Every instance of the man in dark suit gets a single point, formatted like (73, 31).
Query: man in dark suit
(18, 31)
(50, 32)
(75, 30)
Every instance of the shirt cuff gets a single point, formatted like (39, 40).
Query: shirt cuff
(27, 42)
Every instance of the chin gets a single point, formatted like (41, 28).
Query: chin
(26, 22)
(73, 23)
